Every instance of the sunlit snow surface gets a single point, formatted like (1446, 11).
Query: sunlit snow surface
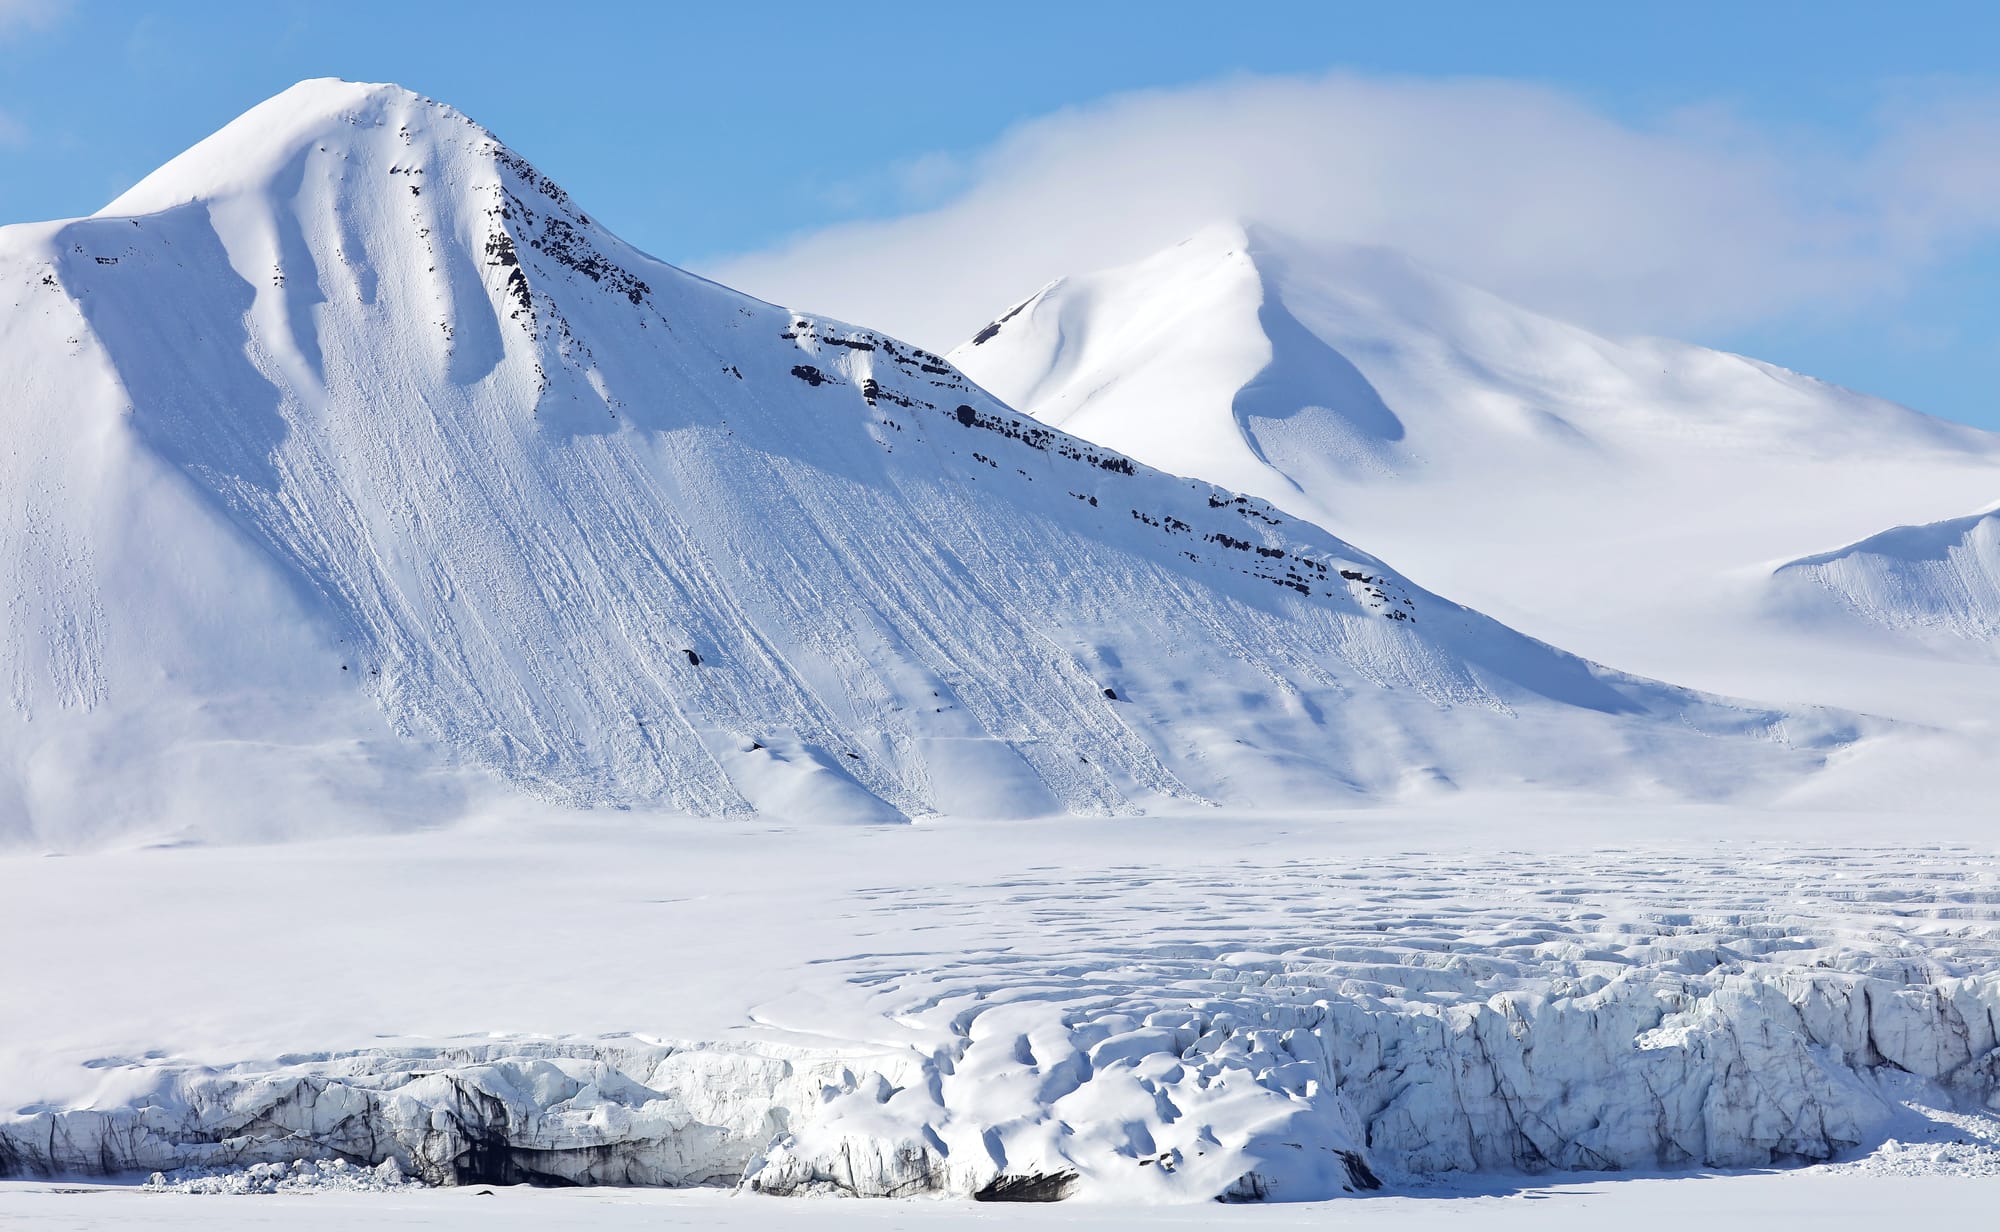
(1937, 585)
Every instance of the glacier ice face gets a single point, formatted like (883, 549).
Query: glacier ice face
(613, 1112)
(1274, 1032)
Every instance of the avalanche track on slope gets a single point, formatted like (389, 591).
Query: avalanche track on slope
(358, 469)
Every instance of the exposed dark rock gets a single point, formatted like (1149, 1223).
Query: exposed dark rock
(991, 331)
(1028, 1187)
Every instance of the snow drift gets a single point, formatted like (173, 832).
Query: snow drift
(354, 469)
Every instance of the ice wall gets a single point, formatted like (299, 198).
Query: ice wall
(1256, 1096)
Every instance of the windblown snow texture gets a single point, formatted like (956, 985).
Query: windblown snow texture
(354, 466)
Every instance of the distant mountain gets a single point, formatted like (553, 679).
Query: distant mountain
(1621, 498)
(1936, 584)
(357, 475)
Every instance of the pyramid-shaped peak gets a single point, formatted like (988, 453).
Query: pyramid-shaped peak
(254, 152)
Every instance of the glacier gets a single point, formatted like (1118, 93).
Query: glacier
(1274, 1031)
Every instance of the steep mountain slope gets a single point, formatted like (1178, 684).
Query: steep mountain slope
(361, 470)
(1621, 498)
(1936, 584)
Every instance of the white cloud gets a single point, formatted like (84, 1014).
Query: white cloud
(12, 131)
(1692, 224)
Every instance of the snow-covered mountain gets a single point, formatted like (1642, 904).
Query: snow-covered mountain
(1621, 498)
(1937, 584)
(353, 468)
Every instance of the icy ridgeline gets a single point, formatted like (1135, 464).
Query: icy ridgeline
(354, 466)
(1631, 1010)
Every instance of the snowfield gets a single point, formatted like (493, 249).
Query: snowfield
(485, 708)
(1641, 1205)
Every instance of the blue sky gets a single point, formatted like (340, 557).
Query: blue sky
(1853, 235)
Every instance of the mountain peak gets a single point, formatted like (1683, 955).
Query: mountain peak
(1184, 355)
(262, 148)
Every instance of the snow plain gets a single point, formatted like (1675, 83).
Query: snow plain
(357, 468)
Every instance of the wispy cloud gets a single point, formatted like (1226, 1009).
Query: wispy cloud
(12, 131)
(1693, 223)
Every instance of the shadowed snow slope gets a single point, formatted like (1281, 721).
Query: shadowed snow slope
(1938, 584)
(354, 469)
(1620, 498)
